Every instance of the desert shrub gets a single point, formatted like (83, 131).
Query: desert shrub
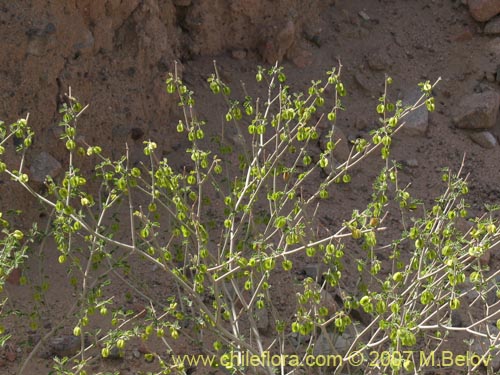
(225, 234)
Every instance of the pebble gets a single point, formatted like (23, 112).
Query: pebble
(484, 139)
(477, 111)
(136, 354)
(483, 10)
(364, 15)
(44, 165)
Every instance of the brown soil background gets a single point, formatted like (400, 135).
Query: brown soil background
(115, 56)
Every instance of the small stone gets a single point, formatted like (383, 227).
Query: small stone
(417, 121)
(378, 61)
(239, 54)
(483, 10)
(489, 76)
(477, 111)
(50, 28)
(493, 26)
(64, 346)
(136, 354)
(364, 15)
(411, 163)
(484, 139)
(262, 317)
(44, 165)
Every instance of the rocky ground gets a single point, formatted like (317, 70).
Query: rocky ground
(115, 56)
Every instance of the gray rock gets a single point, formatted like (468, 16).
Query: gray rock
(364, 15)
(484, 139)
(477, 111)
(262, 317)
(378, 60)
(44, 165)
(65, 345)
(417, 121)
(410, 163)
(493, 26)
